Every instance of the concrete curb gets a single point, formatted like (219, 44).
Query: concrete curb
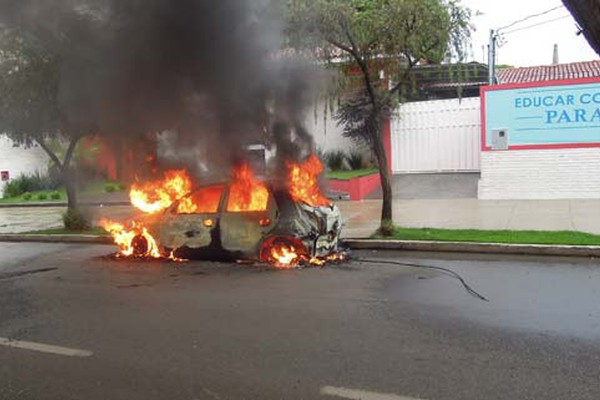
(31, 237)
(64, 204)
(468, 247)
(365, 244)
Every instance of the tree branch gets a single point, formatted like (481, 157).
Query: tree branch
(398, 85)
(340, 46)
(70, 150)
(362, 63)
(50, 153)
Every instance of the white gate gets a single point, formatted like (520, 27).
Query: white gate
(437, 136)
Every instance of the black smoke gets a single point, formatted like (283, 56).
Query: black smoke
(210, 71)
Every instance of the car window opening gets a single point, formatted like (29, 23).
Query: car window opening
(203, 201)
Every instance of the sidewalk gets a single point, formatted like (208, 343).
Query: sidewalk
(361, 218)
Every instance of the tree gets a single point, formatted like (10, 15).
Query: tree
(29, 108)
(377, 42)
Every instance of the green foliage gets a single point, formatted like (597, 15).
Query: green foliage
(74, 220)
(30, 108)
(42, 196)
(27, 196)
(55, 196)
(30, 183)
(355, 160)
(29, 83)
(111, 187)
(335, 160)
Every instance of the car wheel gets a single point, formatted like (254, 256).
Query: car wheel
(277, 243)
(140, 246)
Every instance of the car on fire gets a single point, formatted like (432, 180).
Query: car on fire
(210, 223)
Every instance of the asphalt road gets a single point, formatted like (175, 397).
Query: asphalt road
(74, 325)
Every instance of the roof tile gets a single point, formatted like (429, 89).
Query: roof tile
(585, 69)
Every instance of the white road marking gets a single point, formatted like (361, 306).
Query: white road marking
(361, 394)
(45, 348)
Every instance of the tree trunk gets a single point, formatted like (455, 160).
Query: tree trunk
(386, 222)
(70, 187)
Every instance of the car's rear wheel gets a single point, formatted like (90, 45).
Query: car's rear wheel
(140, 246)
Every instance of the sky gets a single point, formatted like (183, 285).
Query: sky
(532, 46)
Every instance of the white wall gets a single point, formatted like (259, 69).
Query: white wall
(437, 136)
(327, 135)
(18, 160)
(540, 174)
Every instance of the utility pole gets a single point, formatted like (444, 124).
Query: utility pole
(492, 57)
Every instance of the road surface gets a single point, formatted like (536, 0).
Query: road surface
(75, 325)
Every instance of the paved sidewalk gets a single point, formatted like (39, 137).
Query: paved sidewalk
(361, 218)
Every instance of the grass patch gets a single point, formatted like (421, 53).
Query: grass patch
(62, 231)
(39, 196)
(101, 187)
(60, 195)
(347, 175)
(495, 236)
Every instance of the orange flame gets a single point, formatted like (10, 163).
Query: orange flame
(134, 240)
(303, 181)
(153, 197)
(283, 255)
(246, 192)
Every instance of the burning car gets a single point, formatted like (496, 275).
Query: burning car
(245, 218)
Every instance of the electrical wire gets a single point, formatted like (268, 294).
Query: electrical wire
(534, 25)
(449, 272)
(530, 16)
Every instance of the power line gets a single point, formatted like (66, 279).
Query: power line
(534, 25)
(529, 17)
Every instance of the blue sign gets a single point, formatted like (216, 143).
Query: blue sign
(544, 115)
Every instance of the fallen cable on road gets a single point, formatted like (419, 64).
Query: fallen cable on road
(468, 288)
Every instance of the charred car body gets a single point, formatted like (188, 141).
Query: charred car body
(217, 227)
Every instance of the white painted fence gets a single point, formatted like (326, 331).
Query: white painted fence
(437, 136)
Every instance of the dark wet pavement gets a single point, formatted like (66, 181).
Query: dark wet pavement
(524, 294)
(205, 330)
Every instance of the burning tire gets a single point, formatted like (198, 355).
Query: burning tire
(140, 246)
(283, 251)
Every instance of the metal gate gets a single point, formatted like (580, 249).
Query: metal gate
(437, 136)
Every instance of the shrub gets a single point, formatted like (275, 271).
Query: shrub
(27, 196)
(74, 220)
(335, 160)
(121, 186)
(109, 188)
(42, 196)
(30, 183)
(55, 196)
(355, 160)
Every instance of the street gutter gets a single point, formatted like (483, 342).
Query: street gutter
(41, 238)
(364, 244)
(470, 247)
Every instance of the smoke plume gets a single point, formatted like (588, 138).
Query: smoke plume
(208, 71)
